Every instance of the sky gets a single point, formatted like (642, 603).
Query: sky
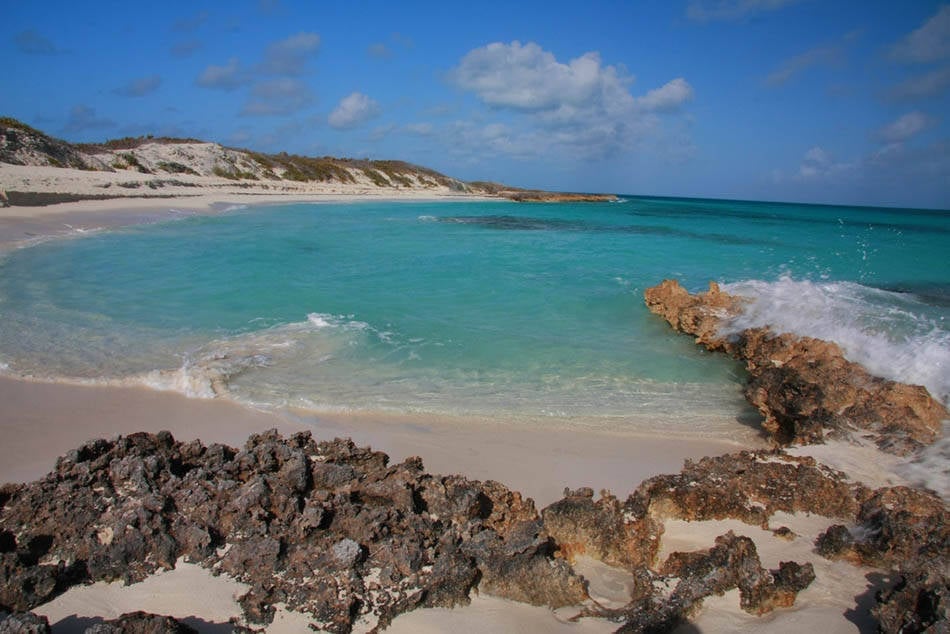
(822, 101)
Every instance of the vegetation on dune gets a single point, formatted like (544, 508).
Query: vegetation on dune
(24, 145)
(176, 168)
(10, 122)
(130, 162)
(132, 142)
(17, 137)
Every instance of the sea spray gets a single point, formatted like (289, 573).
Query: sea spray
(893, 335)
(931, 467)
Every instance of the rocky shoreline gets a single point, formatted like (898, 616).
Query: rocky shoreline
(336, 532)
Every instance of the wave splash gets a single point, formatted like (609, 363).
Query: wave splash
(208, 371)
(896, 336)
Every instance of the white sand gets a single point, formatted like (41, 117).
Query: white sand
(824, 606)
(40, 421)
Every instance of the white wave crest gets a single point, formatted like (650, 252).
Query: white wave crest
(888, 333)
(931, 467)
(207, 371)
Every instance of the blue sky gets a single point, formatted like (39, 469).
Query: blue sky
(795, 100)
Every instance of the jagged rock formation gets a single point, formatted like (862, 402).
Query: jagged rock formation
(332, 530)
(804, 387)
(131, 623)
(326, 528)
(905, 530)
(807, 390)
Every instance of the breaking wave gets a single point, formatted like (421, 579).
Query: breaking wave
(897, 336)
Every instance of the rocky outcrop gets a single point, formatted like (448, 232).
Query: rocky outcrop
(334, 531)
(532, 196)
(666, 599)
(904, 530)
(131, 623)
(804, 388)
(806, 391)
(23, 623)
(749, 486)
(326, 528)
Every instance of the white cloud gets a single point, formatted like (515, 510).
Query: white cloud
(289, 56)
(706, 10)
(279, 96)
(928, 43)
(353, 110)
(526, 77)
(227, 77)
(670, 96)
(894, 173)
(904, 127)
(140, 87)
(582, 106)
(818, 164)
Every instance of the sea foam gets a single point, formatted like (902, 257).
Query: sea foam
(893, 335)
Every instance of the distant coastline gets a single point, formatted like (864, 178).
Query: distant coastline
(39, 170)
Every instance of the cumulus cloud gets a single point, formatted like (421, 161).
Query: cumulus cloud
(33, 43)
(819, 164)
(582, 105)
(353, 110)
(140, 87)
(83, 118)
(928, 43)
(904, 127)
(227, 77)
(895, 172)
(668, 97)
(707, 10)
(279, 96)
(527, 77)
(288, 57)
(274, 84)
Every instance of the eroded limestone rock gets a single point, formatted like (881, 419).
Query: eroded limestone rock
(804, 387)
(329, 529)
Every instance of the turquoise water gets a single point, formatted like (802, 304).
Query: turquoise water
(473, 308)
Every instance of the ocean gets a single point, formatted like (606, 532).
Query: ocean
(524, 313)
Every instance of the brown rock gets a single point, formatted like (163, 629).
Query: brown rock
(749, 486)
(330, 529)
(804, 387)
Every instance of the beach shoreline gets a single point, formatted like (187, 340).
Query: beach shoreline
(24, 225)
(43, 420)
